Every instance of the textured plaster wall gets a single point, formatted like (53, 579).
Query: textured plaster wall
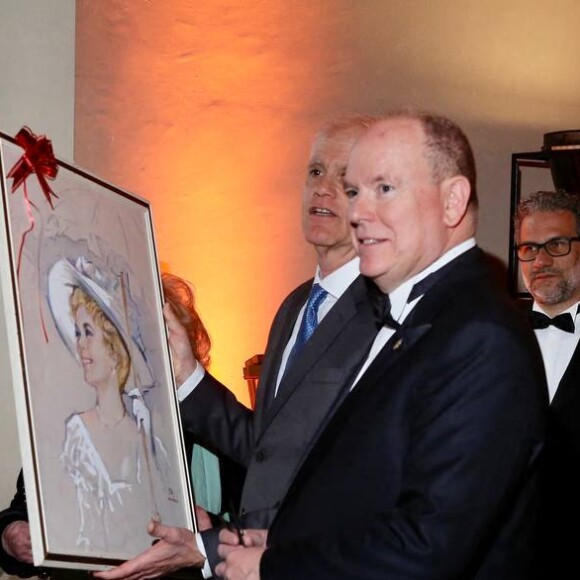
(206, 108)
(36, 89)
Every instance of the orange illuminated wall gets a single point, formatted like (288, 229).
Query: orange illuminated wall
(207, 107)
(198, 107)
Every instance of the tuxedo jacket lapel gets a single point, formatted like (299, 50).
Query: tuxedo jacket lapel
(396, 348)
(332, 324)
(419, 322)
(281, 333)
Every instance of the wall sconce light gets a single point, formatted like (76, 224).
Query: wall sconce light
(563, 148)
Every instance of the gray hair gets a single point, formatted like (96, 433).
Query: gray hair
(549, 201)
(339, 124)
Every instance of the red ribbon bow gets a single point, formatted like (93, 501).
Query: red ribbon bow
(38, 158)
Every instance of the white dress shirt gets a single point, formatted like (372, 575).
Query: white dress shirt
(557, 348)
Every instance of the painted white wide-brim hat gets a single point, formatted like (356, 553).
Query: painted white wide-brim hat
(63, 278)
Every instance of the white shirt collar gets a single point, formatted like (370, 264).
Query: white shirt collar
(572, 310)
(338, 281)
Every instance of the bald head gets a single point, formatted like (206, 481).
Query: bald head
(406, 209)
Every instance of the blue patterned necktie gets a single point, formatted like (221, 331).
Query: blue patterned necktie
(309, 322)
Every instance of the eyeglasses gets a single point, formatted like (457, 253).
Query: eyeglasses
(555, 247)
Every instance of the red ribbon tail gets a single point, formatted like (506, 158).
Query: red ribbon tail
(46, 189)
(19, 173)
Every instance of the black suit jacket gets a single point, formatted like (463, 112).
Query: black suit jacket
(16, 511)
(560, 506)
(272, 442)
(428, 470)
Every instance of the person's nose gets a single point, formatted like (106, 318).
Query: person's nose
(542, 259)
(328, 186)
(360, 209)
(81, 343)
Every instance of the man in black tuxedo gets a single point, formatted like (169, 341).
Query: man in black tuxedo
(428, 469)
(548, 232)
(297, 390)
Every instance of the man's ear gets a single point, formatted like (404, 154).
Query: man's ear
(456, 192)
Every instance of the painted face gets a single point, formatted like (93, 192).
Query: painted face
(396, 209)
(552, 281)
(96, 359)
(324, 204)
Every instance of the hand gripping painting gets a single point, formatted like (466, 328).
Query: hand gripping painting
(97, 414)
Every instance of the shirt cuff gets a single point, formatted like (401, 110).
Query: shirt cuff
(190, 382)
(206, 570)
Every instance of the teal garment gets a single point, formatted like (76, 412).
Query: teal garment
(205, 477)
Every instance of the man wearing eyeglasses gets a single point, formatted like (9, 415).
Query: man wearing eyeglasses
(547, 231)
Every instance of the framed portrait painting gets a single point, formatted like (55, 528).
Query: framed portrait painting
(97, 414)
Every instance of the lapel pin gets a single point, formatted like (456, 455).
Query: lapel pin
(398, 344)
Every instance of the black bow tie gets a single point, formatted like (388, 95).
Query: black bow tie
(381, 305)
(382, 302)
(562, 321)
(382, 310)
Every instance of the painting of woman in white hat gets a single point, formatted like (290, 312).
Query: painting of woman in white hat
(108, 451)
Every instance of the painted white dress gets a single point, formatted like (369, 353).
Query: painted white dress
(109, 506)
